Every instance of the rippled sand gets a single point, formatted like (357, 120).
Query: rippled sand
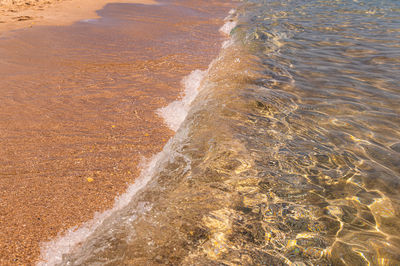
(78, 108)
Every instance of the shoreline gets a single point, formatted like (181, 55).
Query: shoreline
(63, 172)
(173, 116)
(52, 13)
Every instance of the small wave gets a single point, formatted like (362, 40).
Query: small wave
(175, 113)
(230, 23)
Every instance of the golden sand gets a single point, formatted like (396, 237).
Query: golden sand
(78, 105)
(18, 14)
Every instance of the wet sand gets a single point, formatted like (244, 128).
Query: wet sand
(77, 111)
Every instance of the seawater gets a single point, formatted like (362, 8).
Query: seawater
(287, 149)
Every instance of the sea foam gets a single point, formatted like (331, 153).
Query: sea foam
(175, 113)
(52, 251)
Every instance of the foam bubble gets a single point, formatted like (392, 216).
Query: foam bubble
(228, 27)
(175, 113)
(230, 23)
(227, 43)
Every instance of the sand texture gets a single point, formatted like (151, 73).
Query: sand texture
(17, 14)
(77, 109)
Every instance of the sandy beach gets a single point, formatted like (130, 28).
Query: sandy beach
(78, 102)
(19, 14)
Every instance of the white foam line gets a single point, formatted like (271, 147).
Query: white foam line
(52, 251)
(230, 23)
(174, 114)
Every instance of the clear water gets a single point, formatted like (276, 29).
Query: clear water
(289, 155)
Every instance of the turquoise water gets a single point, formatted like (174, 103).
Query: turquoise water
(289, 155)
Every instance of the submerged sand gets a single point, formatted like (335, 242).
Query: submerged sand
(78, 105)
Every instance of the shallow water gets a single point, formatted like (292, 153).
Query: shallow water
(290, 153)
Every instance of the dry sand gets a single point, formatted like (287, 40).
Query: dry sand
(77, 105)
(17, 14)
